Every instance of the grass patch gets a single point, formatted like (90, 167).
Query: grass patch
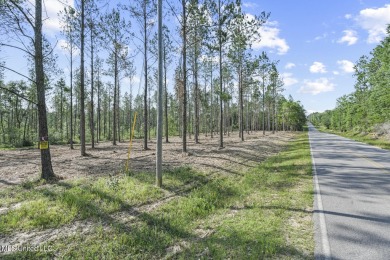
(46, 206)
(370, 139)
(265, 212)
(272, 216)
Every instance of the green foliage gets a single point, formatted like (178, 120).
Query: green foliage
(369, 104)
(292, 115)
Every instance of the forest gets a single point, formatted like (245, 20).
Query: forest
(218, 85)
(235, 157)
(85, 108)
(367, 109)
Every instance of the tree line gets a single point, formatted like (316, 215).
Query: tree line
(369, 105)
(220, 86)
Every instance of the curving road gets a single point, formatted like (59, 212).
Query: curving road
(352, 201)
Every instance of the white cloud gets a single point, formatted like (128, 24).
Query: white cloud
(346, 66)
(50, 13)
(317, 67)
(270, 39)
(63, 47)
(317, 86)
(350, 37)
(289, 65)
(323, 36)
(348, 16)
(375, 21)
(249, 4)
(335, 72)
(63, 44)
(288, 79)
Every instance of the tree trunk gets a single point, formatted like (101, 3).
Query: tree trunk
(263, 104)
(92, 122)
(166, 99)
(61, 111)
(114, 117)
(241, 104)
(146, 81)
(118, 112)
(220, 81)
(184, 106)
(98, 109)
(82, 76)
(196, 107)
(47, 170)
(211, 101)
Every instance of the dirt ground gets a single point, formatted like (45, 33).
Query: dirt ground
(20, 165)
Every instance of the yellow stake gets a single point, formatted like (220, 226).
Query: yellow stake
(131, 142)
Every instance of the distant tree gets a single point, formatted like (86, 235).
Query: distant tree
(144, 12)
(68, 21)
(243, 32)
(222, 12)
(113, 27)
(368, 106)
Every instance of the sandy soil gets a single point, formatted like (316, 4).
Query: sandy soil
(20, 165)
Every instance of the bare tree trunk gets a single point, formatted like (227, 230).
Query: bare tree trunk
(196, 108)
(241, 104)
(184, 111)
(247, 114)
(82, 77)
(211, 101)
(263, 104)
(114, 117)
(220, 77)
(166, 99)
(62, 111)
(92, 122)
(47, 170)
(146, 81)
(118, 112)
(98, 109)
(204, 118)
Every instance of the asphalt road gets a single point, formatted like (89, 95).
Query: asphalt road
(352, 202)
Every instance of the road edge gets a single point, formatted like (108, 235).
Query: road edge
(325, 247)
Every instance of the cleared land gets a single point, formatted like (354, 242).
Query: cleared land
(20, 165)
(252, 199)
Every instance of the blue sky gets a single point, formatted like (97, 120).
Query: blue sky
(317, 43)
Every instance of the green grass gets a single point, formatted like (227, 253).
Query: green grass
(364, 138)
(265, 212)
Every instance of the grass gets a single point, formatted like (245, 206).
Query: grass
(364, 138)
(265, 212)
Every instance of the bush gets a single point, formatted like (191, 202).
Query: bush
(55, 138)
(26, 143)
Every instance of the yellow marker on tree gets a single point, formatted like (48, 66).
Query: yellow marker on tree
(43, 145)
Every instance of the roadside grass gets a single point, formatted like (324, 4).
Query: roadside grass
(366, 138)
(38, 205)
(265, 212)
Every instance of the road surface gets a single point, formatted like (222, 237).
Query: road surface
(352, 202)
